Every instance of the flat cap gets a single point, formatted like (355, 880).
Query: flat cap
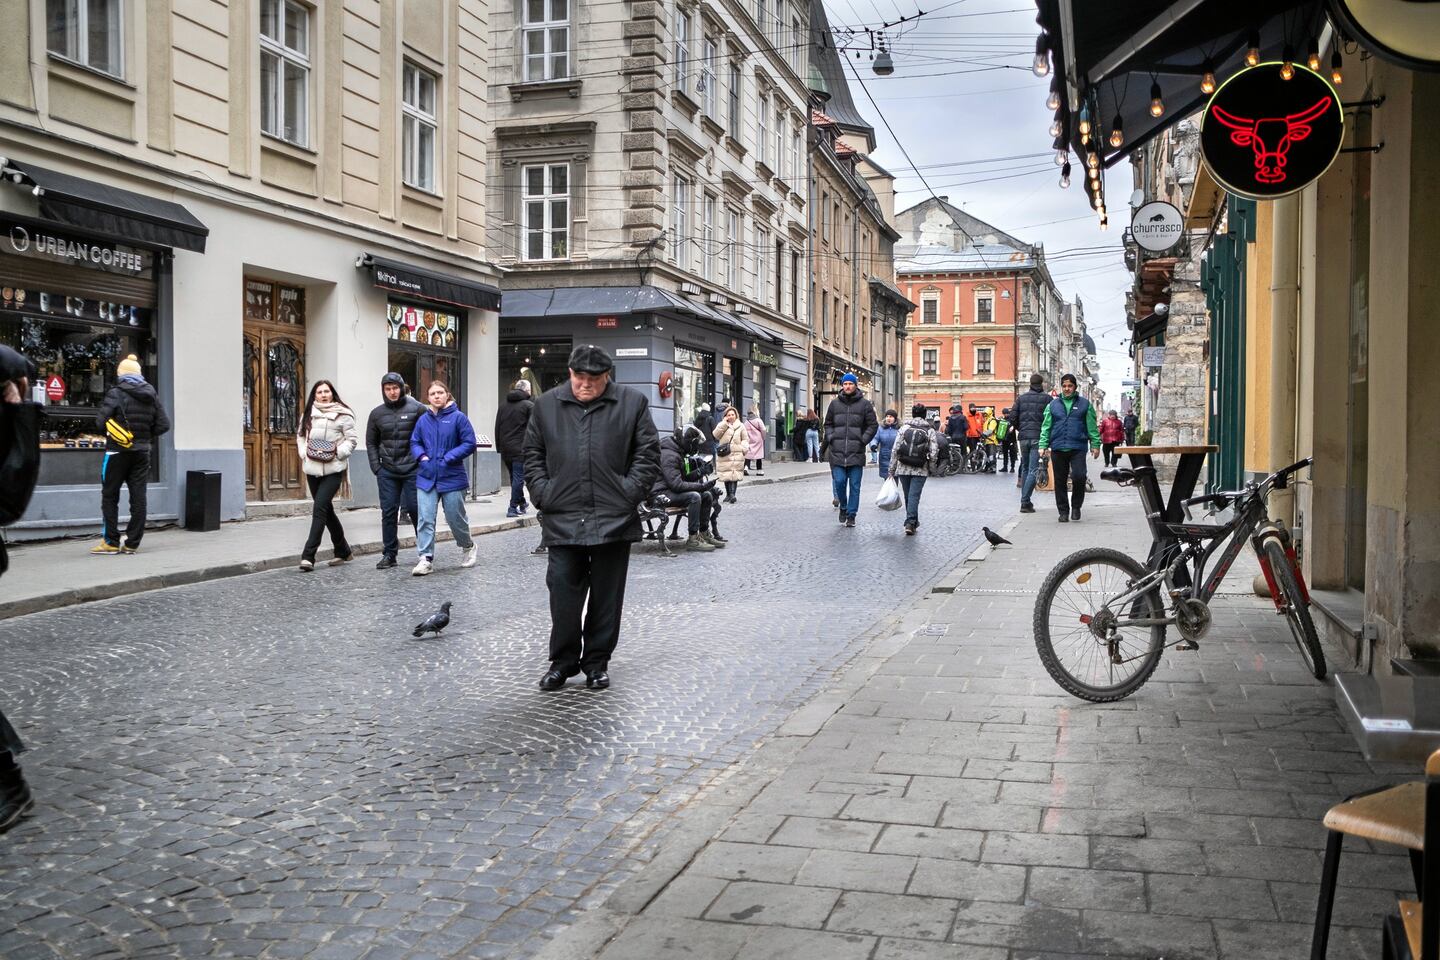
(588, 358)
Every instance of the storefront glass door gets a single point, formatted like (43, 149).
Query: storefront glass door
(693, 383)
(273, 389)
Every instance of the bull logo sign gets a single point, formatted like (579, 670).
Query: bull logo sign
(1263, 136)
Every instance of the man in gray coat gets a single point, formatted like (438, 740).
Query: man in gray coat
(591, 455)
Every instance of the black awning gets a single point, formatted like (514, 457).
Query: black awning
(429, 285)
(615, 302)
(122, 214)
(1148, 328)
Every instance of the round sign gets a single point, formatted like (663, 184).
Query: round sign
(1157, 226)
(663, 384)
(1263, 136)
(55, 388)
(1401, 31)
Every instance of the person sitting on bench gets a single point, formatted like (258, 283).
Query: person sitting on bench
(675, 489)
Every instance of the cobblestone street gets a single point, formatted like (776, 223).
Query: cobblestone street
(269, 766)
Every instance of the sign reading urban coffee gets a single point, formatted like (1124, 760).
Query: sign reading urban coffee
(31, 240)
(1263, 136)
(1157, 226)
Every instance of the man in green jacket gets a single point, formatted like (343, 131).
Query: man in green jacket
(1068, 427)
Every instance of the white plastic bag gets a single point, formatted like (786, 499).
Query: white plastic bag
(890, 497)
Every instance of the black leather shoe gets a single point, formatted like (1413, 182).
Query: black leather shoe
(599, 680)
(1064, 518)
(385, 563)
(15, 800)
(554, 680)
(1075, 514)
(849, 521)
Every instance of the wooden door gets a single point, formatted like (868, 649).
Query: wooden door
(273, 391)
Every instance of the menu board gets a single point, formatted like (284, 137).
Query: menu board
(434, 328)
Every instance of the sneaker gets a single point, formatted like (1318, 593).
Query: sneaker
(539, 551)
(713, 540)
(849, 521)
(759, 473)
(385, 563)
(842, 514)
(910, 529)
(1027, 508)
(423, 568)
(341, 561)
(469, 559)
(512, 512)
(103, 549)
(307, 565)
(698, 545)
(1064, 518)
(128, 548)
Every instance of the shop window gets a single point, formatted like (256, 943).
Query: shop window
(87, 32)
(541, 362)
(693, 382)
(930, 362)
(285, 71)
(546, 204)
(419, 127)
(268, 302)
(424, 345)
(546, 38)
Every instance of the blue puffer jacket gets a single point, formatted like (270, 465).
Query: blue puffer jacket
(446, 439)
(885, 437)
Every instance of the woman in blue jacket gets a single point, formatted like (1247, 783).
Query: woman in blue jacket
(442, 441)
(885, 440)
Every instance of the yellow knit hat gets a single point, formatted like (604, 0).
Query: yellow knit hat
(130, 366)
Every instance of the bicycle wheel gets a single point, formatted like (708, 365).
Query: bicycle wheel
(1295, 608)
(1085, 646)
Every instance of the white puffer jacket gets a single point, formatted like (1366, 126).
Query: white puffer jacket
(336, 425)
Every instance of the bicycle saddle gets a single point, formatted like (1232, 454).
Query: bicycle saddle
(1125, 476)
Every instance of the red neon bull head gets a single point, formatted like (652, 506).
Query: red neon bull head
(1270, 137)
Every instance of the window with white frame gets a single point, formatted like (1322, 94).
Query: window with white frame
(795, 284)
(707, 238)
(88, 32)
(546, 211)
(930, 308)
(797, 48)
(930, 361)
(418, 110)
(776, 28)
(985, 307)
(762, 13)
(824, 217)
(824, 317)
(762, 264)
(709, 96)
(984, 359)
(682, 51)
(285, 71)
(762, 126)
(730, 262)
(795, 168)
(779, 132)
(780, 275)
(737, 90)
(546, 40)
(680, 225)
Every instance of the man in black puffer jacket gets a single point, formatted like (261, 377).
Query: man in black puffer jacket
(134, 406)
(387, 441)
(850, 425)
(1027, 415)
(676, 488)
(510, 423)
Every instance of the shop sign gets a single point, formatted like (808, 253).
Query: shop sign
(762, 356)
(31, 240)
(606, 323)
(1157, 226)
(1263, 136)
(433, 328)
(1401, 31)
(1153, 356)
(632, 352)
(54, 388)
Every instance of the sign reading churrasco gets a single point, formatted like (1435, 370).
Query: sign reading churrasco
(1157, 226)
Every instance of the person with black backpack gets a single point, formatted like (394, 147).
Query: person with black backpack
(914, 458)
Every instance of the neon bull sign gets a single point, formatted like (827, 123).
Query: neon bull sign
(1270, 137)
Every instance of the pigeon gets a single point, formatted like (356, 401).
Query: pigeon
(994, 538)
(436, 622)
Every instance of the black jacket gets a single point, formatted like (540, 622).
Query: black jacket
(19, 463)
(387, 436)
(705, 423)
(1027, 415)
(672, 477)
(588, 466)
(136, 407)
(850, 425)
(510, 423)
(956, 426)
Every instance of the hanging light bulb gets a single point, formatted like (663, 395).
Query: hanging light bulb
(1041, 66)
(1084, 121)
(1252, 49)
(1065, 176)
(1287, 63)
(1055, 128)
(1062, 157)
(1336, 75)
(1157, 104)
(1052, 102)
(1093, 161)
(1312, 54)
(1104, 223)
(1097, 203)
(1117, 133)
(1207, 82)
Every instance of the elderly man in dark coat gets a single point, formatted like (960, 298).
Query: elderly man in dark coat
(591, 455)
(19, 471)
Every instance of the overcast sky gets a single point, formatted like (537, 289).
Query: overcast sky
(965, 105)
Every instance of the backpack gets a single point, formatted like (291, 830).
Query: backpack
(942, 447)
(913, 447)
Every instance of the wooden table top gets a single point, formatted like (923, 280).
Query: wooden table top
(1203, 448)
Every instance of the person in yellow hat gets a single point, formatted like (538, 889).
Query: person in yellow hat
(132, 418)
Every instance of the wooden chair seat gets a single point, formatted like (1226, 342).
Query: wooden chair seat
(1395, 816)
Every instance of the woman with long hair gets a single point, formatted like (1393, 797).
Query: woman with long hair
(732, 437)
(808, 426)
(326, 439)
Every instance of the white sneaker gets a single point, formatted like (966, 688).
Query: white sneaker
(469, 559)
(422, 568)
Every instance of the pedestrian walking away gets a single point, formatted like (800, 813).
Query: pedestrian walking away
(705, 423)
(755, 450)
(510, 422)
(809, 427)
(326, 439)
(387, 443)
(1112, 434)
(916, 457)
(957, 426)
(1009, 446)
(1027, 417)
(677, 487)
(732, 441)
(1068, 428)
(132, 417)
(1132, 423)
(442, 443)
(19, 472)
(884, 441)
(850, 425)
(591, 457)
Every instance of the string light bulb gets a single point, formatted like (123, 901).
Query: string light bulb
(1093, 161)
(1252, 49)
(1117, 133)
(1065, 176)
(1055, 128)
(1312, 54)
(1337, 76)
(1085, 121)
(1287, 63)
(1104, 223)
(1157, 105)
(1052, 102)
(1041, 66)
(1207, 81)
(1062, 157)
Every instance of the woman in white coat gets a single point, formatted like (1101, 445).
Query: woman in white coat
(731, 467)
(326, 439)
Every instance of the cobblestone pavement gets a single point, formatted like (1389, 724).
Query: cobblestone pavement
(269, 766)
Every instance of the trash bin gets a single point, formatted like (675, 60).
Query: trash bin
(202, 500)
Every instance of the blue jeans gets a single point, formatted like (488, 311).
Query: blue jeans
(395, 492)
(840, 477)
(912, 487)
(1029, 467)
(454, 504)
(812, 444)
(515, 469)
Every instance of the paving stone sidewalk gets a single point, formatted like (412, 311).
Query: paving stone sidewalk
(943, 798)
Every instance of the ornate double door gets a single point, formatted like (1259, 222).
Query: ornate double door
(273, 394)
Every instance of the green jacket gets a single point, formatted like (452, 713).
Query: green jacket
(1092, 427)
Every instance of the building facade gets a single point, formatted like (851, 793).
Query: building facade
(249, 198)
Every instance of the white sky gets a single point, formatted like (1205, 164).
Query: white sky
(963, 92)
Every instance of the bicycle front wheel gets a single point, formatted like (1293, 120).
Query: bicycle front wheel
(1089, 648)
(1295, 608)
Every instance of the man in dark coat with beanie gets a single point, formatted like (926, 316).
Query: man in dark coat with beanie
(387, 441)
(591, 456)
(134, 405)
(510, 423)
(850, 425)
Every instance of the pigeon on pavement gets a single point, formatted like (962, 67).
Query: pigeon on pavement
(436, 622)
(994, 538)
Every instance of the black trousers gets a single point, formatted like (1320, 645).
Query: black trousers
(1068, 464)
(698, 507)
(1010, 449)
(574, 575)
(323, 516)
(9, 740)
(1111, 457)
(129, 469)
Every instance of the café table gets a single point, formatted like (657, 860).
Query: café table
(1157, 509)
(1392, 718)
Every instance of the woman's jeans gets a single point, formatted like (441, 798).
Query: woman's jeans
(454, 503)
(912, 487)
(846, 481)
(812, 444)
(323, 516)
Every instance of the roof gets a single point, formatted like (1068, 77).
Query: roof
(886, 288)
(826, 59)
(930, 258)
(972, 228)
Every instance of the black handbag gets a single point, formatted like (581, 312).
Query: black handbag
(723, 450)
